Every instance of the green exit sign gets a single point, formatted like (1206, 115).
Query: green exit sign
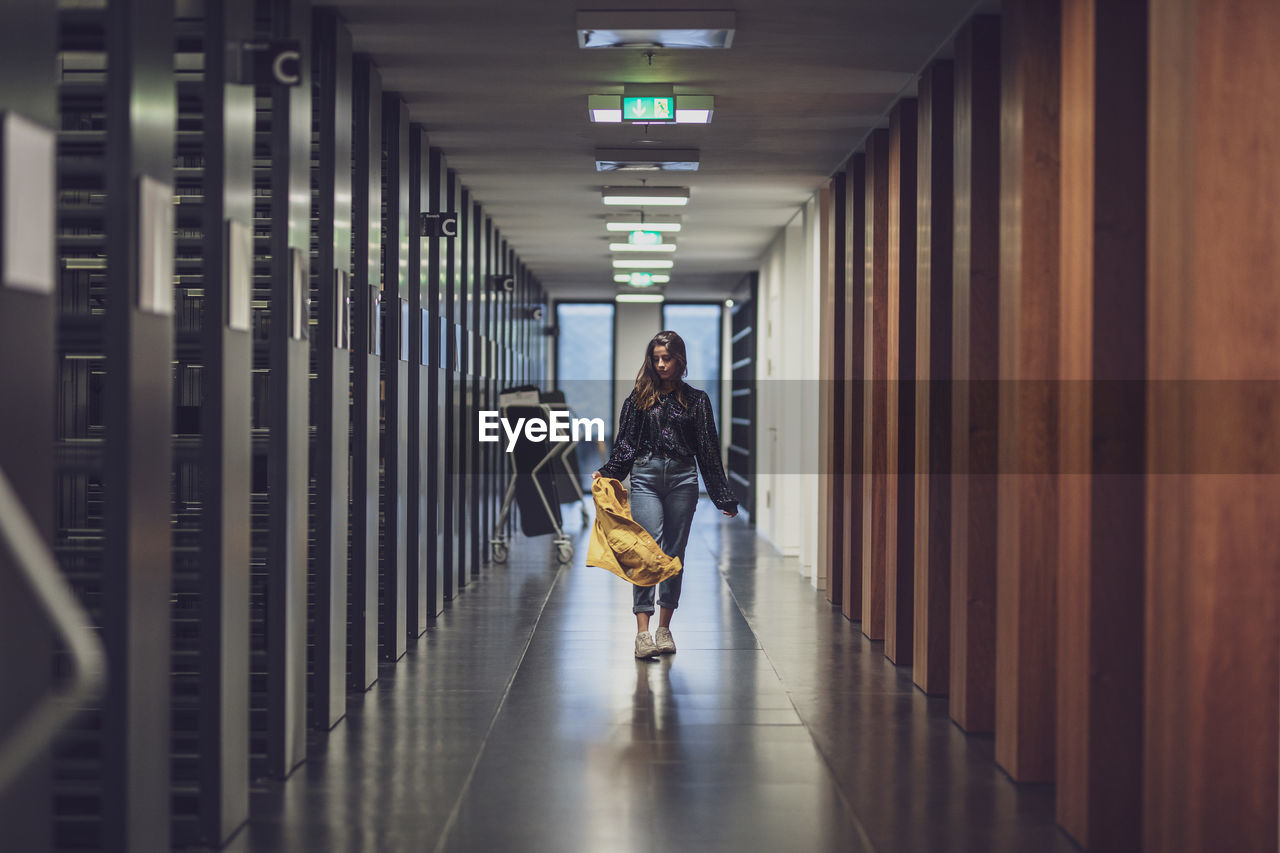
(649, 109)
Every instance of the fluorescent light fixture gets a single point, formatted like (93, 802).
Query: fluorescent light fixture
(645, 238)
(670, 224)
(642, 264)
(676, 29)
(638, 196)
(641, 279)
(694, 109)
(605, 108)
(690, 109)
(639, 297)
(632, 247)
(646, 159)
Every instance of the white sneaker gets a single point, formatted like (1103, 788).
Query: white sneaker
(664, 641)
(644, 645)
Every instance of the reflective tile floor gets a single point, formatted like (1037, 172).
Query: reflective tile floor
(522, 722)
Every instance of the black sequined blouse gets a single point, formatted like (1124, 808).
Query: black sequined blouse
(669, 429)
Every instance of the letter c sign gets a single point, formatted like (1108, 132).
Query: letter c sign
(286, 67)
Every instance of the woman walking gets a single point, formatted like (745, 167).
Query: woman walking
(666, 425)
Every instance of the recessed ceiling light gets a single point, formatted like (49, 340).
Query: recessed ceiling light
(632, 247)
(642, 264)
(638, 297)
(643, 223)
(641, 279)
(646, 160)
(688, 28)
(639, 196)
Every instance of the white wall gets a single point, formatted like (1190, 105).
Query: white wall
(635, 324)
(787, 497)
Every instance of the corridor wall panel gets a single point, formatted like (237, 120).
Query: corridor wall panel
(875, 511)
(450, 382)
(975, 365)
(900, 374)
(331, 370)
(1212, 691)
(463, 296)
(935, 203)
(831, 418)
(419, 423)
(27, 337)
(437, 386)
(392, 612)
(212, 441)
(1027, 520)
(115, 413)
(366, 369)
(283, 190)
(1104, 354)
(855, 385)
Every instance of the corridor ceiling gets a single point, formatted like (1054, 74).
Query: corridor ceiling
(501, 86)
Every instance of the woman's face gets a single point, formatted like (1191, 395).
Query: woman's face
(664, 362)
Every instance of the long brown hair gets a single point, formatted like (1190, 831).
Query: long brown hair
(648, 380)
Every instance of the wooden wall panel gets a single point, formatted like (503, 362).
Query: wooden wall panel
(974, 364)
(833, 423)
(1212, 653)
(900, 374)
(932, 445)
(854, 359)
(1027, 518)
(1103, 352)
(876, 318)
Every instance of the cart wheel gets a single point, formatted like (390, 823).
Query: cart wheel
(564, 551)
(499, 552)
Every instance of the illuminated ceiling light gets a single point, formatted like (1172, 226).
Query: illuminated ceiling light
(675, 29)
(632, 247)
(646, 159)
(690, 109)
(605, 108)
(638, 196)
(645, 238)
(641, 279)
(642, 264)
(669, 224)
(694, 109)
(639, 297)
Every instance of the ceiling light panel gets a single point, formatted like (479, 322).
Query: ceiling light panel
(642, 264)
(639, 297)
(640, 247)
(667, 224)
(679, 29)
(646, 159)
(643, 196)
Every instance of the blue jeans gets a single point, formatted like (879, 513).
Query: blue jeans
(664, 494)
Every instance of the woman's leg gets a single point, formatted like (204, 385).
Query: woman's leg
(678, 506)
(647, 510)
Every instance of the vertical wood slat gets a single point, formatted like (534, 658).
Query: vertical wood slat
(437, 384)
(288, 413)
(934, 250)
(975, 365)
(854, 355)
(874, 460)
(831, 417)
(900, 374)
(419, 421)
(138, 402)
(395, 376)
(1103, 352)
(1027, 519)
(28, 37)
(366, 368)
(332, 411)
(1212, 653)
(226, 446)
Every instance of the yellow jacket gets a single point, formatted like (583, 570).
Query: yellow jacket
(620, 544)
